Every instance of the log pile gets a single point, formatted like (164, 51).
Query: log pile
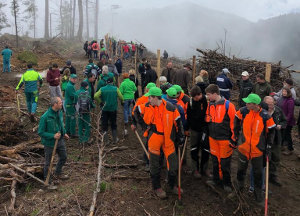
(213, 62)
(14, 166)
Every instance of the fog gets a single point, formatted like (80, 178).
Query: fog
(258, 29)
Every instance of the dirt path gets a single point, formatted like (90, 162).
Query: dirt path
(133, 195)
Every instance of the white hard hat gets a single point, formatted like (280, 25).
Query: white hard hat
(245, 73)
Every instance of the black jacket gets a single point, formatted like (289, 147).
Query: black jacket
(150, 76)
(196, 112)
(72, 69)
(245, 89)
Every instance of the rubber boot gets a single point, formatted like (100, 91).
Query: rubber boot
(115, 136)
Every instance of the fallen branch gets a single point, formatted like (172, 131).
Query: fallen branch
(128, 177)
(27, 173)
(11, 208)
(119, 165)
(117, 148)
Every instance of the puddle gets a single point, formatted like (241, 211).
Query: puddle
(43, 74)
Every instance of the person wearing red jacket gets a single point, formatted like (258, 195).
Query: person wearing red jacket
(220, 116)
(53, 78)
(96, 48)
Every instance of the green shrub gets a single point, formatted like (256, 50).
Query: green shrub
(28, 57)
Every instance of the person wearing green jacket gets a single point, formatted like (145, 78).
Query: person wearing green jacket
(108, 95)
(51, 128)
(91, 81)
(127, 89)
(30, 79)
(70, 102)
(85, 104)
(261, 87)
(6, 53)
(104, 76)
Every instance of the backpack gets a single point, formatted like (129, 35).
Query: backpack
(84, 102)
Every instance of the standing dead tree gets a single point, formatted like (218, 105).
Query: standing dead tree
(80, 28)
(15, 8)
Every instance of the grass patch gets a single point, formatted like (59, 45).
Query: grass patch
(28, 57)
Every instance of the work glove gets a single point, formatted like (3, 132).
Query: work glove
(268, 150)
(179, 142)
(232, 143)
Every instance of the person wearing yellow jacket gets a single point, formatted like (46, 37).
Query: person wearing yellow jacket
(30, 80)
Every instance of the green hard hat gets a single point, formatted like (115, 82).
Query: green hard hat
(252, 98)
(172, 92)
(178, 88)
(150, 85)
(154, 91)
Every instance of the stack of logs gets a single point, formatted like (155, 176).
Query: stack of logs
(13, 166)
(213, 62)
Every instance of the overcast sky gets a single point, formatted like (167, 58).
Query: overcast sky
(250, 9)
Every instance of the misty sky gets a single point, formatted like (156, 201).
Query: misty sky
(252, 10)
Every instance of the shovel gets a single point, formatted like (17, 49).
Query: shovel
(51, 163)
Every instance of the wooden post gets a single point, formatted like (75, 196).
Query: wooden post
(194, 69)
(122, 51)
(135, 55)
(158, 67)
(268, 72)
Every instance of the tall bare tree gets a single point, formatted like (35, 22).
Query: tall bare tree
(46, 35)
(96, 19)
(73, 19)
(80, 28)
(31, 14)
(87, 18)
(3, 18)
(65, 25)
(15, 8)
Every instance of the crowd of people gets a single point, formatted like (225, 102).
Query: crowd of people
(259, 125)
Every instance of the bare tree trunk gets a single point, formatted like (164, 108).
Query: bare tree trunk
(16, 23)
(87, 19)
(96, 19)
(80, 28)
(46, 19)
(61, 19)
(73, 24)
(34, 21)
(70, 26)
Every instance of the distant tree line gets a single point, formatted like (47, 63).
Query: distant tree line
(67, 17)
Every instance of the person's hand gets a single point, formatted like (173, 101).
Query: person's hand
(278, 127)
(187, 133)
(133, 127)
(56, 78)
(57, 135)
(67, 136)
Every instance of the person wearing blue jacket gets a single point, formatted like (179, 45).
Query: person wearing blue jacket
(6, 53)
(224, 83)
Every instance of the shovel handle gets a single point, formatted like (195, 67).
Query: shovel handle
(267, 186)
(142, 144)
(179, 174)
(51, 163)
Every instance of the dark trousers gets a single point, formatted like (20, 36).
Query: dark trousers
(155, 169)
(110, 116)
(95, 53)
(225, 94)
(275, 155)
(199, 141)
(62, 157)
(287, 137)
(143, 85)
(225, 168)
(257, 165)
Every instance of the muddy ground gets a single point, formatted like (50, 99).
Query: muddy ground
(132, 195)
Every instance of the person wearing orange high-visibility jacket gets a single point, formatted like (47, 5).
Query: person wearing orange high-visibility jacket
(162, 121)
(142, 100)
(254, 129)
(220, 116)
(182, 98)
